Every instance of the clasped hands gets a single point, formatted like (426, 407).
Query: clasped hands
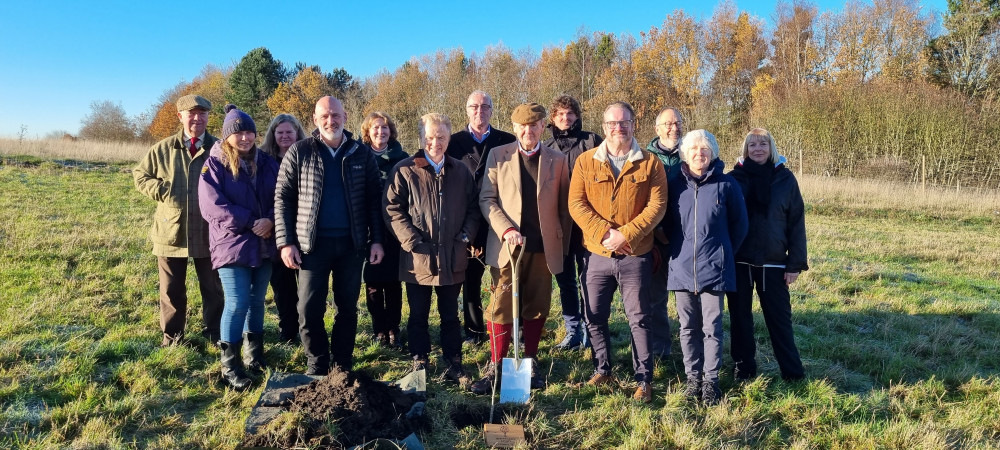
(615, 241)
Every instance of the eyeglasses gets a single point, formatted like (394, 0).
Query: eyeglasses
(623, 124)
(483, 107)
(669, 124)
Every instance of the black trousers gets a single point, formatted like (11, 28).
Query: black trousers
(419, 299)
(472, 301)
(385, 304)
(569, 293)
(338, 257)
(284, 283)
(775, 304)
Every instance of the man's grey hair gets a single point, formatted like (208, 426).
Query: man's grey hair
(480, 92)
(669, 108)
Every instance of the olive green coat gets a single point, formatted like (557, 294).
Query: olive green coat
(169, 175)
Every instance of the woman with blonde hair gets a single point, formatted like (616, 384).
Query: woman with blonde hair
(284, 131)
(236, 196)
(770, 259)
(383, 290)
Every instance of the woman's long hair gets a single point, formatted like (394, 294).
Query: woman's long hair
(231, 159)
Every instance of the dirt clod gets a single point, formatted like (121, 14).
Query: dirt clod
(342, 410)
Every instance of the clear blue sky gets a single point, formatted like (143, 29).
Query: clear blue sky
(59, 56)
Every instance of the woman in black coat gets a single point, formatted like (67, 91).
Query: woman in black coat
(771, 257)
(284, 131)
(383, 290)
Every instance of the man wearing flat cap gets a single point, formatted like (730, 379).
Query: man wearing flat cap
(524, 197)
(169, 174)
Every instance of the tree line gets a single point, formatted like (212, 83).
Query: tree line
(879, 89)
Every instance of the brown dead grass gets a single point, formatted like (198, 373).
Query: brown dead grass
(883, 195)
(78, 150)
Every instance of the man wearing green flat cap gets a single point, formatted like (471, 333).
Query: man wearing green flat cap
(169, 174)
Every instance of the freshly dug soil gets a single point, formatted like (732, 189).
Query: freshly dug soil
(362, 409)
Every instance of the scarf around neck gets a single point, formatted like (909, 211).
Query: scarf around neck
(759, 177)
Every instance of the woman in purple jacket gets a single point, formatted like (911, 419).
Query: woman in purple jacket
(236, 195)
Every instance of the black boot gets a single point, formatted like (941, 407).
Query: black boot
(456, 373)
(254, 356)
(232, 366)
(489, 381)
(537, 376)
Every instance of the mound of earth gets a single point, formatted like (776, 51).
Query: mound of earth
(359, 409)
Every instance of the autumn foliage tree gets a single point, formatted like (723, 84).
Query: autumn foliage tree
(736, 49)
(794, 51)
(298, 97)
(665, 69)
(402, 95)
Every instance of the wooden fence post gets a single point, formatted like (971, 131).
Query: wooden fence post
(800, 162)
(923, 172)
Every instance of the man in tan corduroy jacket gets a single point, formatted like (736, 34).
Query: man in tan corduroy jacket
(617, 196)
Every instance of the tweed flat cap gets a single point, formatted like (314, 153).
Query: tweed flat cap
(526, 113)
(191, 101)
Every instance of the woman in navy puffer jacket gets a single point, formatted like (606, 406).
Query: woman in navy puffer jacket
(707, 220)
(236, 196)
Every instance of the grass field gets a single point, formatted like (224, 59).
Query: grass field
(897, 322)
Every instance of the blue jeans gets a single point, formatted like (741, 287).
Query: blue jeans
(244, 289)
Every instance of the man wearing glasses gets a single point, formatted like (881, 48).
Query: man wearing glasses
(666, 146)
(471, 146)
(618, 195)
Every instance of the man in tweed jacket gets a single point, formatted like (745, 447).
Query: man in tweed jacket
(169, 174)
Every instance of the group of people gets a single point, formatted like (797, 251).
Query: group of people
(599, 215)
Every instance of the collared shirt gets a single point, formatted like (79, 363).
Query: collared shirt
(198, 143)
(333, 151)
(485, 135)
(524, 152)
(437, 166)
